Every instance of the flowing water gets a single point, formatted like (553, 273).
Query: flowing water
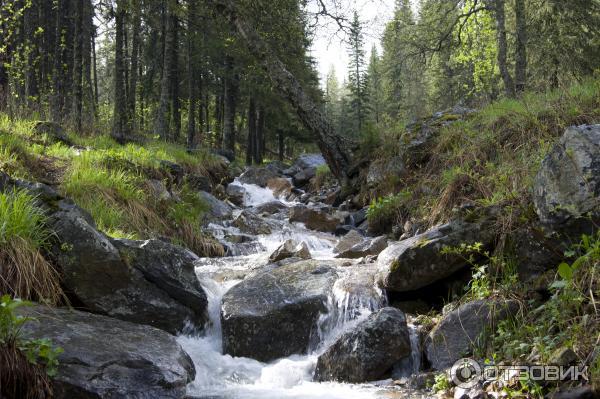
(221, 376)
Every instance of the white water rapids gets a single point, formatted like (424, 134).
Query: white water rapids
(221, 376)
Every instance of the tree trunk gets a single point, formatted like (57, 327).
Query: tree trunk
(161, 124)
(259, 148)
(135, 53)
(521, 48)
(175, 101)
(230, 102)
(251, 142)
(89, 101)
(78, 66)
(121, 125)
(192, 72)
(280, 145)
(500, 13)
(333, 147)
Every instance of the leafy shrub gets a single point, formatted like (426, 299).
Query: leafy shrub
(31, 362)
(383, 213)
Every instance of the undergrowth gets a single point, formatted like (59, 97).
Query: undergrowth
(24, 272)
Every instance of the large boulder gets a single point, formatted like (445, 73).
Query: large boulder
(280, 186)
(459, 331)
(305, 161)
(290, 249)
(170, 267)
(380, 170)
(107, 358)
(314, 219)
(236, 194)
(99, 278)
(273, 313)
(348, 241)
(370, 246)
(258, 176)
(367, 352)
(418, 261)
(568, 183)
(270, 208)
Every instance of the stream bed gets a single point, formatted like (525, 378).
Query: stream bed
(222, 376)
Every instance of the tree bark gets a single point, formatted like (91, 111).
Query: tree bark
(135, 53)
(230, 102)
(121, 125)
(78, 66)
(521, 46)
(259, 148)
(500, 13)
(192, 72)
(161, 124)
(175, 101)
(251, 141)
(333, 147)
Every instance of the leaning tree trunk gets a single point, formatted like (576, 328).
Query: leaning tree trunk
(500, 13)
(521, 50)
(334, 149)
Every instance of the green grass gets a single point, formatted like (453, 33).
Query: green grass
(20, 218)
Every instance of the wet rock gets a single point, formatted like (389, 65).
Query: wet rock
(250, 223)
(453, 338)
(367, 352)
(171, 268)
(280, 186)
(568, 183)
(348, 241)
(273, 313)
(108, 358)
(372, 246)
(290, 249)
(270, 208)
(417, 261)
(356, 218)
(53, 131)
(95, 276)
(236, 194)
(257, 175)
(217, 209)
(314, 219)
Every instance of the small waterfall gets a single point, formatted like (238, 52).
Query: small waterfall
(352, 299)
(411, 365)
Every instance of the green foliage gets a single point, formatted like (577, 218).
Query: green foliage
(387, 208)
(37, 351)
(20, 218)
(442, 383)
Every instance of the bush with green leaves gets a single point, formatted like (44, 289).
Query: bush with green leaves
(36, 351)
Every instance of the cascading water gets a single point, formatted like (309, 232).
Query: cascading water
(221, 376)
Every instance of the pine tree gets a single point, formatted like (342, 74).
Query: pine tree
(357, 75)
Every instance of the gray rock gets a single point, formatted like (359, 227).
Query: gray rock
(290, 249)
(456, 334)
(270, 208)
(417, 261)
(348, 241)
(568, 183)
(257, 175)
(198, 182)
(367, 352)
(306, 161)
(302, 178)
(217, 209)
(372, 246)
(380, 170)
(236, 194)
(314, 219)
(250, 223)
(273, 313)
(158, 189)
(281, 187)
(171, 268)
(97, 277)
(108, 358)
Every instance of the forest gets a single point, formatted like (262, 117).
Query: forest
(191, 208)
